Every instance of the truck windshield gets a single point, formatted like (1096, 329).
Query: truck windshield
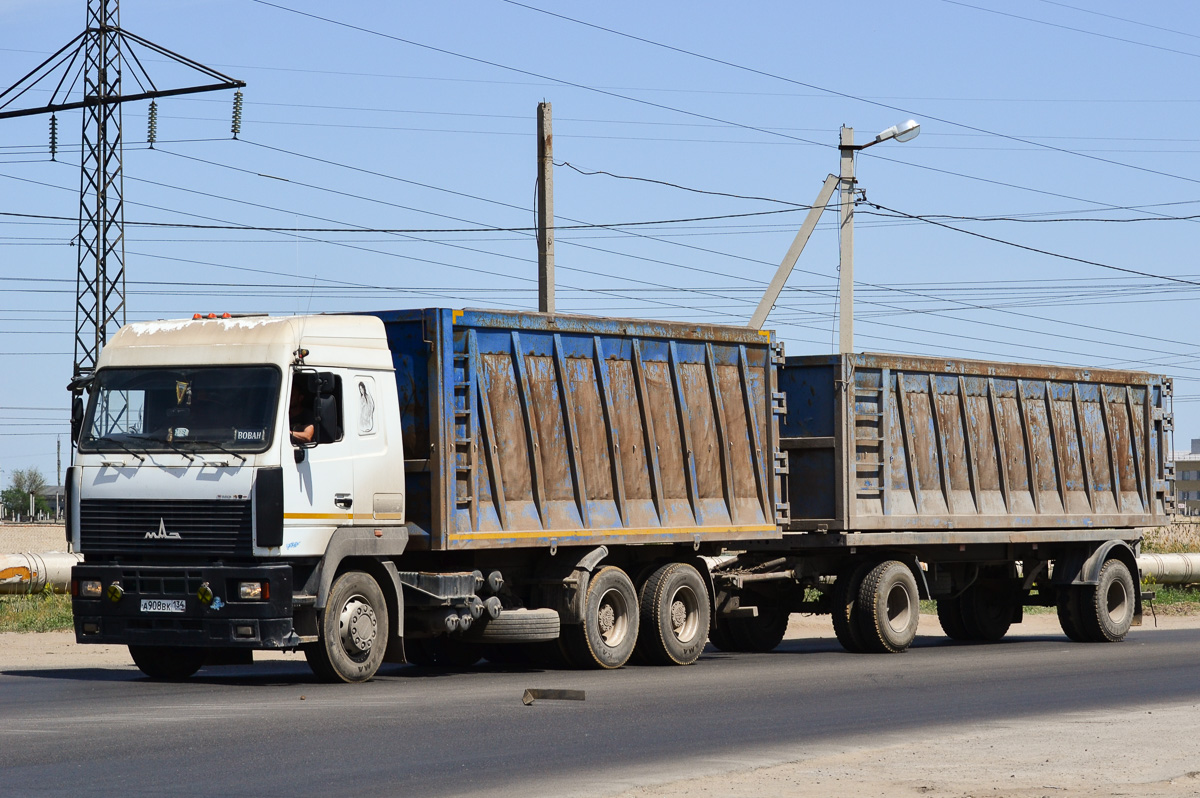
(222, 409)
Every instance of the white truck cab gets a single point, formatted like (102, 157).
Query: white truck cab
(185, 456)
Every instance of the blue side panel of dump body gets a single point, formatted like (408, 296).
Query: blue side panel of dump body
(894, 443)
(527, 429)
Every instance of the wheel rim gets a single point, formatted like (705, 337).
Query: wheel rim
(684, 614)
(358, 627)
(1116, 601)
(612, 618)
(899, 608)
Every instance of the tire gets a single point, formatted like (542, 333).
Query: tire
(353, 632)
(845, 607)
(949, 612)
(675, 616)
(609, 630)
(888, 608)
(1071, 599)
(987, 611)
(1108, 615)
(168, 663)
(515, 626)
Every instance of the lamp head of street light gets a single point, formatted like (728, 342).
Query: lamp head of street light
(906, 131)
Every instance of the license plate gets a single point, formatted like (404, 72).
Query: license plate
(163, 605)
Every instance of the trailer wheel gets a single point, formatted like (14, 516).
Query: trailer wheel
(675, 616)
(609, 630)
(845, 607)
(353, 632)
(169, 663)
(1109, 614)
(987, 612)
(1071, 599)
(949, 613)
(888, 608)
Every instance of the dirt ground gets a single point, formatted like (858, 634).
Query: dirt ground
(1150, 752)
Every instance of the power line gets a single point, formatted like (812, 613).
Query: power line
(1074, 29)
(775, 76)
(1036, 249)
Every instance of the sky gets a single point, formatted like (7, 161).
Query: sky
(387, 159)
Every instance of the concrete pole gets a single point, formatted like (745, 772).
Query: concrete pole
(545, 202)
(846, 252)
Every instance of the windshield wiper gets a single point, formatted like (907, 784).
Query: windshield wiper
(218, 445)
(107, 439)
(167, 443)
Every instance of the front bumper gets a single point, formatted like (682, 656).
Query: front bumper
(137, 618)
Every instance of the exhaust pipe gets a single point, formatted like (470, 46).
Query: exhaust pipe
(32, 573)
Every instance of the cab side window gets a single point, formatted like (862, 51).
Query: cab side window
(329, 408)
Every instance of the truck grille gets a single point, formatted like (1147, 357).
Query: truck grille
(166, 527)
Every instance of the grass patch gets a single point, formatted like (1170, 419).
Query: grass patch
(44, 612)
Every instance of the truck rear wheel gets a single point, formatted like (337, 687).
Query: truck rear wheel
(675, 616)
(169, 663)
(1109, 613)
(888, 608)
(353, 632)
(845, 607)
(609, 630)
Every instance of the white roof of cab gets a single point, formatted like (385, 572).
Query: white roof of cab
(346, 341)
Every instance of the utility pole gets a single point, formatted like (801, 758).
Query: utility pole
(846, 243)
(94, 60)
(545, 203)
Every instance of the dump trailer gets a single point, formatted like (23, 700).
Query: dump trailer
(986, 486)
(437, 486)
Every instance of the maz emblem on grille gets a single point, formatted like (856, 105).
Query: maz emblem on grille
(162, 533)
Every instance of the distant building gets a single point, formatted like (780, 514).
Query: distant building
(1187, 480)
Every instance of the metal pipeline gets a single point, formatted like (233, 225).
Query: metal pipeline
(33, 572)
(1170, 569)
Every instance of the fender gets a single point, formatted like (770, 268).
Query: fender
(1080, 569)
(377, 545)
(1083, 568)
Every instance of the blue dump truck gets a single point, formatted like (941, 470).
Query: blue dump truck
(439, 486)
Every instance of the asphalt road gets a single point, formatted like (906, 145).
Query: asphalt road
(270, 730)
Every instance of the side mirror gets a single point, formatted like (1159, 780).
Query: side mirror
(76, 417)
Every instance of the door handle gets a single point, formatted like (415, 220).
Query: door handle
(343, 500)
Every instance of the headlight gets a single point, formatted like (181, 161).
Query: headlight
(254, 591)
(90, 588)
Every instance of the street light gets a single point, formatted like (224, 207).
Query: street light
(906, 131)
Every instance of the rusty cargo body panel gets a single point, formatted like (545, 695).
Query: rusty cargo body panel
(911, 445)
(524, 429)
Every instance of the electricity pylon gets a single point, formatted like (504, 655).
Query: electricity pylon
(86, 73)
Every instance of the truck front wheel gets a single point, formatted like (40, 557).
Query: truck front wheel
(353, 633)
(169, 663)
